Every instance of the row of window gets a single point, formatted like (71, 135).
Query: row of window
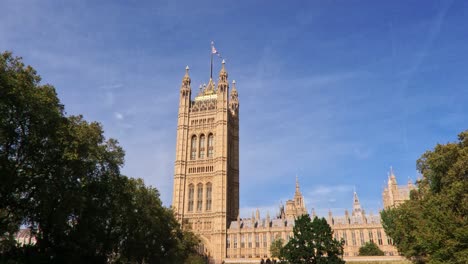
(249, 240)
(201, 169)
(202, 146)
(202, 121)
(191, 195)
(206, 225)
(360, 241)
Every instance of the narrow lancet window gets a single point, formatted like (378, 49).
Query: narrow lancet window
(190, 196)
(202, 146)
(208, 197)
(199, 196)
(193, 154)
(210, 145)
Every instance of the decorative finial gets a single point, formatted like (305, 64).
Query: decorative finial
(233, 81)
(187, 68)
(223, 62)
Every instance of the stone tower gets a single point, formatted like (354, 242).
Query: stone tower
(296, 207)
(206, 176)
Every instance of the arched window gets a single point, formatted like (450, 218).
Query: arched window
(190, 197)
(199, 197)
(193, 154)
(208, 196)
(210, 145)
(202, 146)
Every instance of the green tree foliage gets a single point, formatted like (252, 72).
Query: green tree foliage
(313, 242)
(432, 227)
(61, 178)
(275, 247)
(370, 249)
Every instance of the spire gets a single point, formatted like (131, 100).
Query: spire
(234, 90)
(185, 87)
(357, 211)
(186, 80)
(234, 99)
(392, 178)
(223, 75)
(297, 185)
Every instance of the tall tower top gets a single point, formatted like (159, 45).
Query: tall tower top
(357, 211)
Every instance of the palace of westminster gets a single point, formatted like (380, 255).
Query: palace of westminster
(206, 185)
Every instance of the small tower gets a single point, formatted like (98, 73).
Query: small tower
(357, 211)
(234, 100)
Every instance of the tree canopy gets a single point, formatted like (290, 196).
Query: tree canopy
(275, 247)
(312, 242)
(60, 177)
(370, 249)
(432, 227)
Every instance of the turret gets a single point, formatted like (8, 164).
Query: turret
(185, 89)
(357, 211)
(234, 99)
(223, 79)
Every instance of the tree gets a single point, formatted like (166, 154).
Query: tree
(370, 249)
(312, 242)
(61, 178)
(275, 247)
(432, 227)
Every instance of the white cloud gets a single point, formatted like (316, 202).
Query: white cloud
(118, 115)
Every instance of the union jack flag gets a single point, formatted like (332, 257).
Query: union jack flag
(213, 50)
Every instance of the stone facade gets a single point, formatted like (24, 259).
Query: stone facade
(206, 185)
(394, 194)
(206, 179)
(251, 238)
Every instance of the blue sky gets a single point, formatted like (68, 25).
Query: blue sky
(335, 92)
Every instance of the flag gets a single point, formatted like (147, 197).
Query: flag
(213, 50)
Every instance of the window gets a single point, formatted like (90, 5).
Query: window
(257, 240)
(208, 196)
(193, 153)
(242, 241)
(250, 240)
(265, 240)
(371, 237)
(228, 241)
(389, 241)
(199, 196)
(202, 146)
(353, 237)
(190, 197)
(345, 238)
(235, 241)
(379, 237)
(361, 234)
(210, 145)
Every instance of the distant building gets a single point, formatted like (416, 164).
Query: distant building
(252, 237)
(206, 185)
(394, 194)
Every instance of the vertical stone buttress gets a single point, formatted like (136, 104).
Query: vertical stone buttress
(181, 146)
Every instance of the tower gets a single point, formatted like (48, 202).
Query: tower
(296, 207)
(206, 173)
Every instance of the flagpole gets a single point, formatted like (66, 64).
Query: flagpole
(211, 68)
